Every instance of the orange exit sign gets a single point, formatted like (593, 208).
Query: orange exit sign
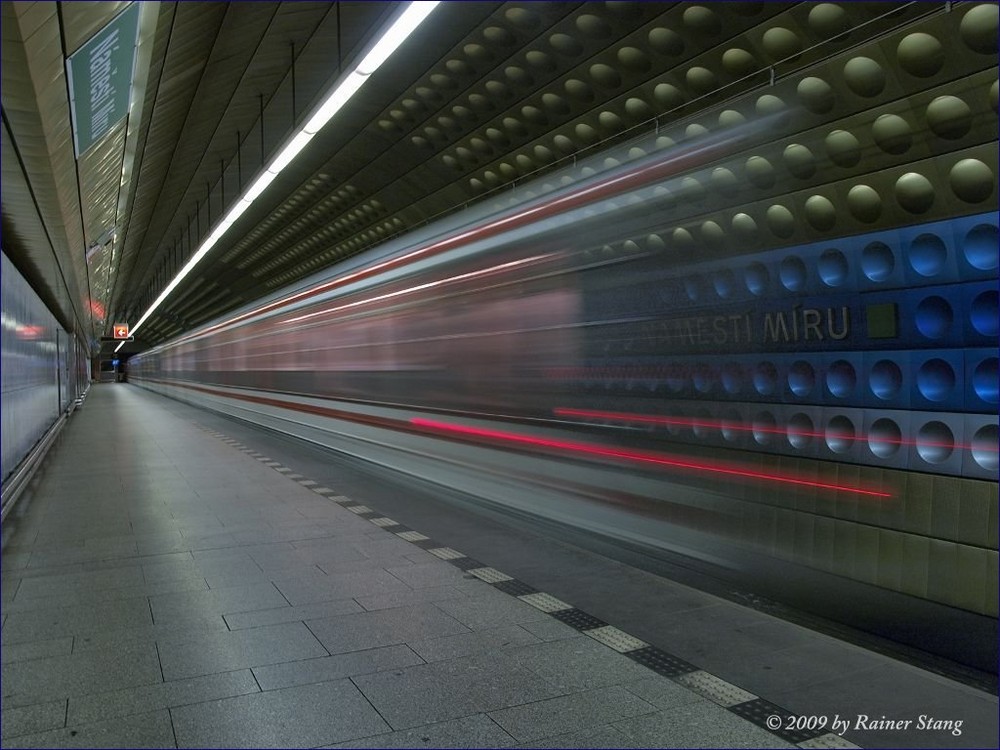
(121, 331)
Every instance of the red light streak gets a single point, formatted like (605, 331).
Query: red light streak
(647, 457)
(632, 179)
(721, 424)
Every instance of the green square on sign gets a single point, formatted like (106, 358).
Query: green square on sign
(882, 321)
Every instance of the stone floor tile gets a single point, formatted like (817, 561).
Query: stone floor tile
(239, 649)
(469, 731)
(567, 713)
(152, 730)
(326, 668)
(303, 716)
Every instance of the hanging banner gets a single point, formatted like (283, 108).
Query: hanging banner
(100, 79)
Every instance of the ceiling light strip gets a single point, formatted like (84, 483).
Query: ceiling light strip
(388, 42)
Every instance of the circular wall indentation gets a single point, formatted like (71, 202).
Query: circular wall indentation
(634, 60)
(820, 212)
(892, 134)
(885, 379)
(739, 62)
(864, 76)
(691, 190)
(665, 41)
(732, 378)
(920, 54)
(702, 20)
(800, 431)
(843, 148)
(799, 160)
(985, 378)
(984, 313)
(523, 18)
(703, 378)
(839, 434)
(695, 130)
(731, 426)
(828, 20)
(668, 95)
(676, 380)
(769, 104)
(756, 278)
(638, 109)
(605, 75)
(984, 447)
(935, 442)
(724, 282)
(928, 254)
(713, 236)
(730, 118)
(564, 44)
(518, 75)
(914, 192)
(744, 227)
(759, 171)
(934, 317)
(979, 29)
(884, 438)
(935, 380)
(701, 80)
(877, 261)
(725, 181)
(971, 180)
(792, 273)
(765, 378)
(781, 43)
(682, 239)
(610, 122)
(780, 221)
(832, 267)
(801, 378)
(764, 428)
(694, 287)
(816, 95)
(980, 247)
(864, 203)
(949, 117)
(841, 378)
(593, 26)
(702, 425)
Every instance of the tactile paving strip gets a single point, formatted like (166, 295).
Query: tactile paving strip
(578, 619)
(446, 553)
(514, 587)
(490, 575)
(661, 662)
(617, 639)
(715, 688)
(545, 602)
(412, 536)
(466, 563)
(828, 740)
(762, 713)
(740, 702)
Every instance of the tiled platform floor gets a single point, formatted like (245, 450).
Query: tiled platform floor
(162, 588)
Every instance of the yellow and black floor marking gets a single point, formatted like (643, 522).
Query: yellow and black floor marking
(745, 704)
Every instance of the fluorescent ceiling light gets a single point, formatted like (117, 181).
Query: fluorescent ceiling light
(390, 40)
(396, 34)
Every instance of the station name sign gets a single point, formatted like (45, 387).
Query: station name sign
(100, 79)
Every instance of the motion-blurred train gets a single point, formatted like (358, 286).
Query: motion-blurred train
(556, 357)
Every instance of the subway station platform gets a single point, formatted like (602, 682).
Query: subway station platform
(178, 579)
